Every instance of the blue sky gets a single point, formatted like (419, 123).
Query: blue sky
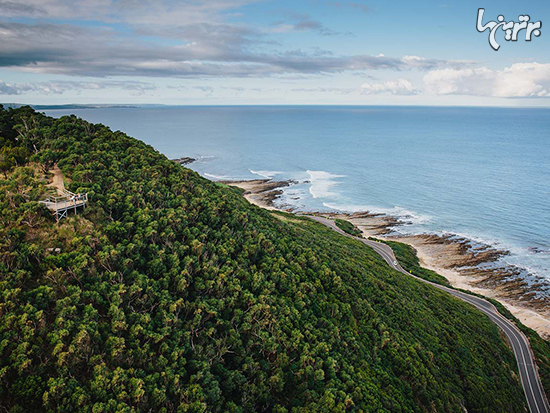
(269, 52)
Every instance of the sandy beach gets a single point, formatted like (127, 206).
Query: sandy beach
(457, 259)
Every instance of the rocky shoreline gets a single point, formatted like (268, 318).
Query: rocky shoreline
(186, 160)
(467, 265)
(262, 192)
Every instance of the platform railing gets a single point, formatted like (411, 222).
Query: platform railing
(59, 205)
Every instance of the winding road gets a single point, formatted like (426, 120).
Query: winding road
(528, 372)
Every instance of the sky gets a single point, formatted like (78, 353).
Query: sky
(242, 52)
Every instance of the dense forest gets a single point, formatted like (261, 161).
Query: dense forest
(541, 348)
(171, 293)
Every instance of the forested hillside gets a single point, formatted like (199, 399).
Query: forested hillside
(171, 293)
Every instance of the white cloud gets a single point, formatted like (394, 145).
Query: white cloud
(203, 50)
(521, 80)
(161, 12)
(303, 22)
(414, 60)
(393, 87)
(57, 88)
(7, 89)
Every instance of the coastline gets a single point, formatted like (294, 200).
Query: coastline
(464, 269)
(261, 192)
(461, 262)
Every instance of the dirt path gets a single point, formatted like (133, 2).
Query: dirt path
(57, 182)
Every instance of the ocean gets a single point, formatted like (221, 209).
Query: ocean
(481, 173)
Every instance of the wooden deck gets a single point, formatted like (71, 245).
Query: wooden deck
(62, 205)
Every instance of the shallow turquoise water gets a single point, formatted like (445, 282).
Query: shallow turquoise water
(483, 173)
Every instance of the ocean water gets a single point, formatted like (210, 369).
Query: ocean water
(482, 173)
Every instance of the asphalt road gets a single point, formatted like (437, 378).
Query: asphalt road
(528, 372)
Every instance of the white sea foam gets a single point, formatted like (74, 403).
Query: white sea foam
(400, 212)
(347, 207)
(412, 216)
(265, 174)
(217, 177)
(201, 159)
(321, 184)
(481, 240)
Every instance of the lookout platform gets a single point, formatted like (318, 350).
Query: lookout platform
(66, 201)
(62, 205)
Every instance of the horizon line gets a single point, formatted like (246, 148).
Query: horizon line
(55, 106)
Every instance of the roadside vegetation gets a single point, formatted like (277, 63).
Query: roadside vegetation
(348, 227)
(408, 259)
(171, 293)
(406, 255)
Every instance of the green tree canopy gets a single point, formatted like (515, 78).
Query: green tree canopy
(173, 294)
